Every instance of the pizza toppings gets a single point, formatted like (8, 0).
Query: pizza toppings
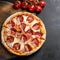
(28, 47)
(10, 39)
(30, 19)
(30, 31)
(20, 18)
(11, 23)
(23, 25)
(13, 29)
(37, 34)
(23, 38)
(41, 33)
(35, 42)
(36, 26)
(16, 46)
(13, 33)
(28, 36)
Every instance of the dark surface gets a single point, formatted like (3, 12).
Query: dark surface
(51, 48)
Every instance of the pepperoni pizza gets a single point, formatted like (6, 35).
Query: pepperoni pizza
(23, 33)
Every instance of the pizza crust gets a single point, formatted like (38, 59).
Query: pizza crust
(34, 50)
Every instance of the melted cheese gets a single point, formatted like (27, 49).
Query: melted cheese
(9, 26)
(36, 30)
(34, 21)
(16, 20)
(22, 46)
(8, 32)
(27, 28)
(25, 18)
(33, 36)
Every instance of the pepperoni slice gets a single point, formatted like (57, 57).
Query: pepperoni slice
(41, 33)
(10, 39)
(13, 31)
(23, 38)
(16, 46)
(27, 48)
(35, 42)
(30, 31)
(23, 25)
(20, 18)
(37, 34)
(11, 23)
(28, 36)
(36, 26)
(30, 19)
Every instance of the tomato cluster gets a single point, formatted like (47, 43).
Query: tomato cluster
(31, 5)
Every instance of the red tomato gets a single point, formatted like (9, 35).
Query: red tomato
(38, 9)
(17, 4)
(24, 5)
(31, 8)
(42, 3)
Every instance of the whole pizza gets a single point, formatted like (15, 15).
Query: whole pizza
(23, 33)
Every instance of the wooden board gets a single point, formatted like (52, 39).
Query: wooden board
(6, 9)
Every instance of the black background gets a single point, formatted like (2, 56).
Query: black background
(51, 18)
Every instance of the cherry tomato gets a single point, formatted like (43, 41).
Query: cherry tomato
(42, 3)
(31, 8)
(17, 4)
(24, 5)
(38, 8)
